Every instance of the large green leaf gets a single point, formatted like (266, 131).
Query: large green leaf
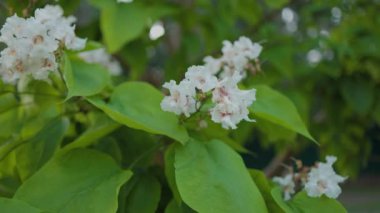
(265, 188)
(11, 120)
(173, 207)
(9, 114)
(100, 126)
(38, 150)
(211, 177)
(305, 204)
(77, 181)
(137, 105)
(121, 23)
(278, 198)
(170, 172)
(7, 100)
(84, 79)
(144, 195)
(25, 123)
(16, 206)
(277, 108)
(316, 205)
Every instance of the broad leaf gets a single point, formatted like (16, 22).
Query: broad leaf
(316, 205)
(173, 207)
(101, 125)
(265, 188)
(278, 198)
(121, 23)
(170, 172)
(137, 105)
(16, 206)
(305, 204)
(144, 195)
(84, 79)
(277, 108)
(38, 150)
(11, 118)
(77, 181)
(211, 177)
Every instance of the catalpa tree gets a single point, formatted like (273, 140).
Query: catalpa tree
(81, 134)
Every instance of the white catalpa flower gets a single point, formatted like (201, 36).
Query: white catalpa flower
(231, 103)
(201, 78)
(33, 42)
(100, 56)
(323, 180)
(247, 48)
(237, 55)
(287, 184)
(213, 65)
(181, 99)
(220, 76)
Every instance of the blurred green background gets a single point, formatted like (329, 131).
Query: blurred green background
(323, 55)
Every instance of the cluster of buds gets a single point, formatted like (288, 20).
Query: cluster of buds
(321, 179)
(217, 78)
(32, 43)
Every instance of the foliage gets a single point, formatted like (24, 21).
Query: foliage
(89, 142)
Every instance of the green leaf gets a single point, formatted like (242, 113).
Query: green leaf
(170, 172)
(281, 57)
(215, 131)
(278, 198)
(276, 4)
(157, 11)
(121, 23)
(136, 57)
(173, 207)
(305, 204)
(16, 206)
(84, 79)
(7, 101)
(77, 181)
(9, 114)
(101, 125)
(137, 105)
(111, 147)
(308, 204)
(265, 188)
(278, 109)
(137, 147)
(144, 195)
(249, 10)
(211, 177)
(38, 150)
(11, 117)
(101, 3)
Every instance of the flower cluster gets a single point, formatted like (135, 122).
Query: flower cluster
(100, 56)
(287, 184)
(320, 179)
(323, 180)
(32, 43)
(218, 77)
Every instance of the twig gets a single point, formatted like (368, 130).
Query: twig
(276, 163)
